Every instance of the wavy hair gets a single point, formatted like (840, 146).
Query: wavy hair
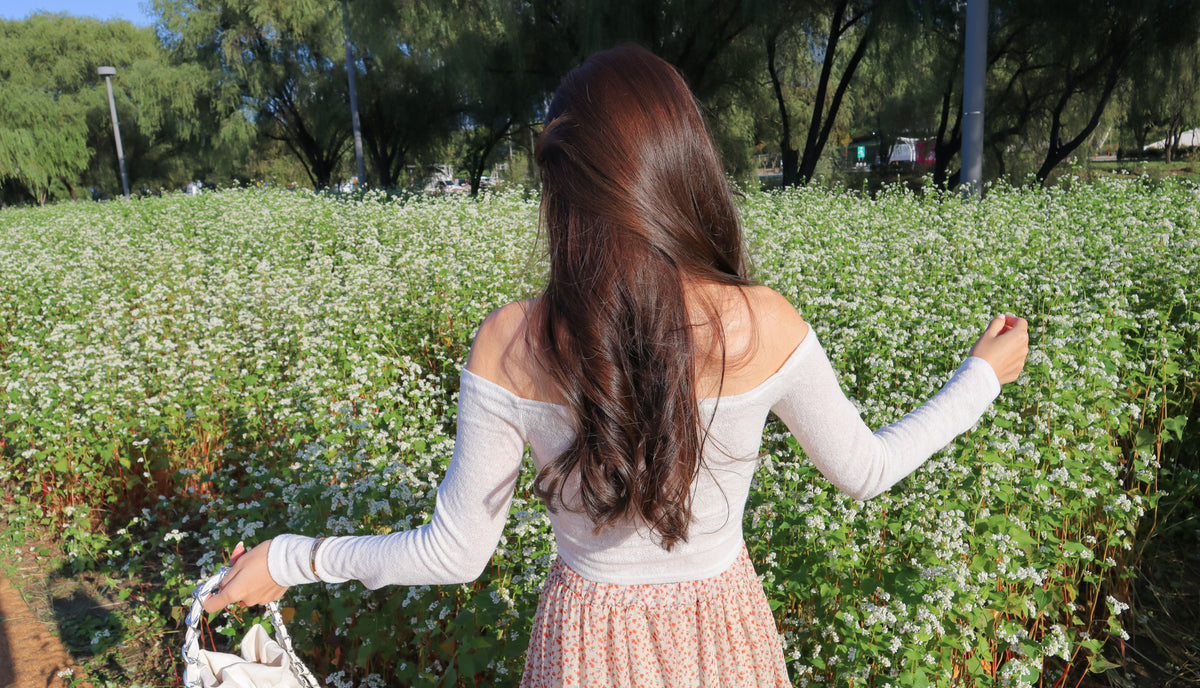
(635, 205)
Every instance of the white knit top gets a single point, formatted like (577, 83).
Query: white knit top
(495, 425)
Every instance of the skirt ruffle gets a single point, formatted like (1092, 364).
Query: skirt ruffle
(715, 632)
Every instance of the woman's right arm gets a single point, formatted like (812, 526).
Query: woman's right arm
(472, 506)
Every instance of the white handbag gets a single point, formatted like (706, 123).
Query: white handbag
(264, 662)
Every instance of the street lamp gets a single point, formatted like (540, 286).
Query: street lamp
(354, 120)
(108, 73)
(974, 83)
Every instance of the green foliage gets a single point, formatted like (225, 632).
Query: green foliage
(41, 143)
(56, 136)
(272, 362)
(283, 62)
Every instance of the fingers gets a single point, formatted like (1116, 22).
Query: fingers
(1012, 322)
(1004, 344)
(219, 600)
(1001, 324)
(224, 596)
(996, 326)
(248, 582)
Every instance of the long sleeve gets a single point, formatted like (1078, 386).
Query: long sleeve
(472, 506)
(864, 463)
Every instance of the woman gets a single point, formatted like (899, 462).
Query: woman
(641, 378)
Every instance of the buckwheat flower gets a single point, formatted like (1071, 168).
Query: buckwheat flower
(1116, 605)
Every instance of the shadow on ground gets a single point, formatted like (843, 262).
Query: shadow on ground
(6, 664)
(87, 613)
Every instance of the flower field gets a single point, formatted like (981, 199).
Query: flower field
(182, 373)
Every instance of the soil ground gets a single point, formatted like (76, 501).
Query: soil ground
(31, 655)
(1164, 650)
(54, 618)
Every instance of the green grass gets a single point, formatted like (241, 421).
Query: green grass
(1188, 168)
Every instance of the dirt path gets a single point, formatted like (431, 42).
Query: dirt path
(30, 655)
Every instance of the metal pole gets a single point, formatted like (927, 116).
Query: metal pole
(350, 70)
(107, 73)
(974, 80)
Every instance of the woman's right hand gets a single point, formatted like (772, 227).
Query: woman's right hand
(1004, 344)
(248, 581)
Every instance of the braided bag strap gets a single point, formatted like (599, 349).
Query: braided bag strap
(191, 638)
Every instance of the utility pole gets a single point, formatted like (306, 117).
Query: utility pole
(974, 80)
(108, 73)
(350, 71)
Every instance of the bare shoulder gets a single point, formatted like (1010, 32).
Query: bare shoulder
(761, 330)
(778, 324)
(500, 352)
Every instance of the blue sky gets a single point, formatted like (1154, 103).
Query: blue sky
(130, 10)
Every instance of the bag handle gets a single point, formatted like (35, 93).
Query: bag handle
(191, 638)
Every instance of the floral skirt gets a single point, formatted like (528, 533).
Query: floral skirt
(712, 632)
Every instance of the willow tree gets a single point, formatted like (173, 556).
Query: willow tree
(55, 128)
(281, 63)
(1087, 52)
(42, 142)
(1056, 69)
(1164, 95)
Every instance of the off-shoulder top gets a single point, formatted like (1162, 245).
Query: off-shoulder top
(495, 425)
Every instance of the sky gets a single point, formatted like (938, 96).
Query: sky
(130, 10)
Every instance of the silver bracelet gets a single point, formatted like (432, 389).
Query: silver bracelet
(312, 556)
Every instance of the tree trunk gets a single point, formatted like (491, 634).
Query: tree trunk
(820, 126)
(998, 154)
(790, 167)
(1174, 132)
(322, 172)
(790, 156)
(944, 149)
(480, 155)
(1059, 150)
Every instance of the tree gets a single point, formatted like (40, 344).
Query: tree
(407, 103)
(1085, 64)
(1164, 95)
(704, 39)
(430, 69)
(834, 34)
(693, 35)
(775, 42)
(55, 127)
(283, 62)
(1059, 70)
(42, 142)
(1053, 71)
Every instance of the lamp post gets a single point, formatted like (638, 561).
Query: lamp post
(974, 79)
(354, 120)
(108, 73)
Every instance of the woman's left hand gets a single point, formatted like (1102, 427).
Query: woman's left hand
(248, 582)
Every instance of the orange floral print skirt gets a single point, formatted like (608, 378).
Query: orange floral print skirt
(715, 632)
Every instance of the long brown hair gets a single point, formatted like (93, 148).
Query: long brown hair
(635, 205)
